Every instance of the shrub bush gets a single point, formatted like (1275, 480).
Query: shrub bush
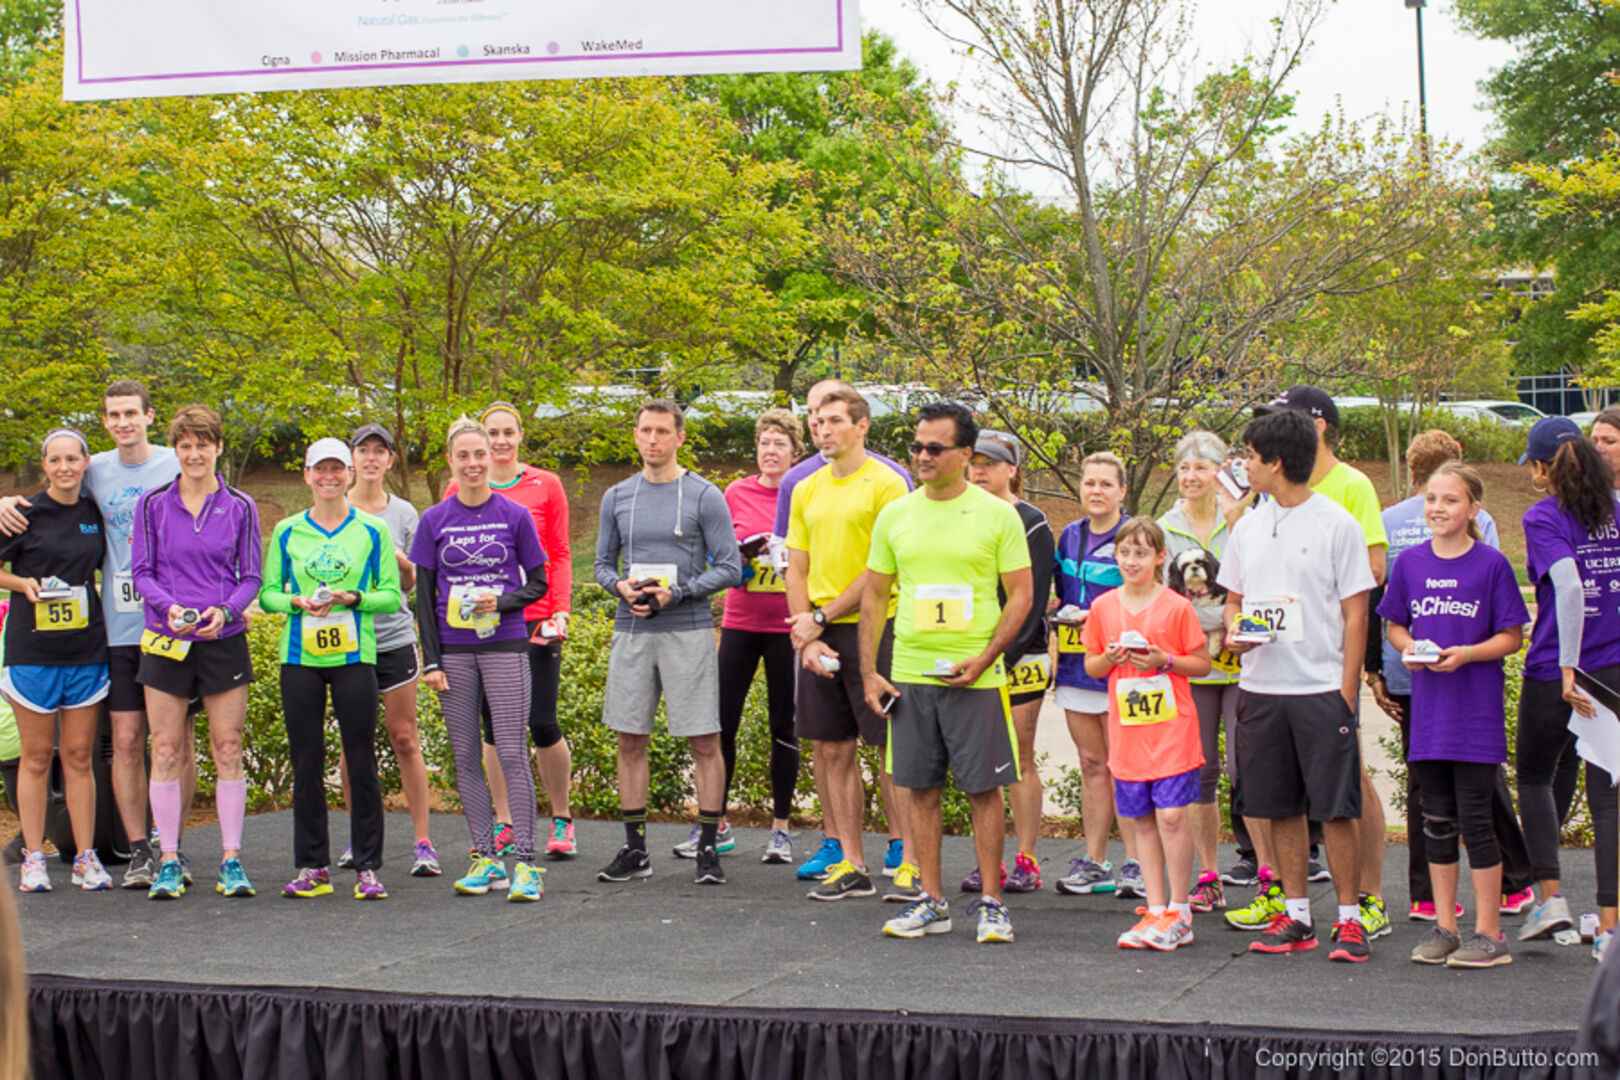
(1361, 435)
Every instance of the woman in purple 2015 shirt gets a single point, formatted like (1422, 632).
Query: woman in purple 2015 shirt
(1572, 554)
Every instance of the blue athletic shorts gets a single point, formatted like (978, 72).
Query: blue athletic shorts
(46, 688)
(1139, 798)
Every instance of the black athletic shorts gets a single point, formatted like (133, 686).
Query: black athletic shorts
(834, 710)
(969, 731)
(1298, 754)
(209, 667)
(125, 693)
(397, 667)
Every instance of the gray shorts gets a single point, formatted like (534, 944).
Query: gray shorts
(680, 665)
(932, 728)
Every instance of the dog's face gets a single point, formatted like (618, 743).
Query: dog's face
(1193, 573)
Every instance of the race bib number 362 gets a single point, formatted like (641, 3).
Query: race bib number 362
(1281, 613)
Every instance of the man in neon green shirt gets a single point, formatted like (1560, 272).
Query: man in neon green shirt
(949, 544)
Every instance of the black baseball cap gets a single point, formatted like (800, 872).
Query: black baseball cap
(366, 431)
(1546, 436)
(1305, 398)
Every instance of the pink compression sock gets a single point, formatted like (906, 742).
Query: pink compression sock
(165, 798)
(230, 799)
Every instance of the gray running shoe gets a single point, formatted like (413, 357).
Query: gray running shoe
(1546, 919)
(1480, 951)
(708, 867)
(1436, 945)
(142, 868)
(1319, 871)
(1086, 876)
(843, 880)
(925, 915)
(779, 849)
(688, 848)
(1244, 872)
(1131, 885)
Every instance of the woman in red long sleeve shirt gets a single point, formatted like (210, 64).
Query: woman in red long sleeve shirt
(541, 493)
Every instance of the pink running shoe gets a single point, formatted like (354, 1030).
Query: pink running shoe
(561, 845)
(1025, 876)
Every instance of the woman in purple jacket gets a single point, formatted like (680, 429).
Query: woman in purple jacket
(197, 567)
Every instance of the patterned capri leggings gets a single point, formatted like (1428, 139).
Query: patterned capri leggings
(502, 679)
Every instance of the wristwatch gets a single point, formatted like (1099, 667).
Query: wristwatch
(818, 616)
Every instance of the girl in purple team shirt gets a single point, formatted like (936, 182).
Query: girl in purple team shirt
(197, 566)
(1572, 554)
(1458, 597)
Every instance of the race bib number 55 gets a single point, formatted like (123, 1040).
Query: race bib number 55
(67, 613)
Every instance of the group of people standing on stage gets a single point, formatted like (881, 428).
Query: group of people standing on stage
(915, 619)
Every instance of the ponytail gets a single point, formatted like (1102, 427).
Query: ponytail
(1583, 484)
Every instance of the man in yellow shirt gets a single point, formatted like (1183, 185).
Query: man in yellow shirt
(829, 533)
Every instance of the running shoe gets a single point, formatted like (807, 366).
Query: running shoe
(843, 880)
(346, 860)
(1244, 872)
(526, 884)
(1259, 913)
(34, 876)
(1025, 876)
(893, 857)
(142, 868)
(1134, 938)
(170, 883)
(1374, 917)
(1517, 903)
(1600, 944)
(995, 925)
(1436, 945)
(505, 840)
(974, 882)
(233, 880)
(1284, 934)
(1425, 911)
(561, 845)
(708, 867)
(185, 870)
(1318, 871)
(724, 840)
(89, 874)
(779, 848)
(1087, 876)
(311, 882)
(368, 887)
(815, 868)
(628, 863)
(425, 863)
(924, 915)
(1207, 895)
(1481, 951)
(905, 886)
(1546, 919)
(1168, 933)
(483, 875)
(1350, 942)
(1131, 885)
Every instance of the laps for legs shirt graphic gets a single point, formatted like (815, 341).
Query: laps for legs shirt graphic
(474, 549)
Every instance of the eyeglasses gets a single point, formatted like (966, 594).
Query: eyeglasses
(930, 449)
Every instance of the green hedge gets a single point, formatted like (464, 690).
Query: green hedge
(1361, 435)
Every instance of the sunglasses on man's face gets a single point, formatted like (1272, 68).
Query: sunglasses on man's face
(931, 449)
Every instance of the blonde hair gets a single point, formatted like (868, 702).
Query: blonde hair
(13, 995)
(1472, 481)
(1104, 457)
(1148, 532)
(464, 425)
(784, 421)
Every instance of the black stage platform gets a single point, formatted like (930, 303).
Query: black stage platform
(665, 978)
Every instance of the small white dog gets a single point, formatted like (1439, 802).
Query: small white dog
(1193, 574)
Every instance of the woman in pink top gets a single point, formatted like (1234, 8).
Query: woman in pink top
(755, 626)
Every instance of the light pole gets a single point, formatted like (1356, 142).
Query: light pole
(1423, 93)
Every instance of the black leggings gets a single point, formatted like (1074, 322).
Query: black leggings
(1457, 797)
(303, 706)
(740, 654)
(1548, 767)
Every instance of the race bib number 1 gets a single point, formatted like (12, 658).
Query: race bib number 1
(331, 635)
(1150, 700)
(67, 613)
(944, 608)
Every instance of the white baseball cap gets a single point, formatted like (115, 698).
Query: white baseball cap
(327, 449)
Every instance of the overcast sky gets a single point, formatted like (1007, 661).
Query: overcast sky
(1364, 57)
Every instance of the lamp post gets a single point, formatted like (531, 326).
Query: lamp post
(1423, 93)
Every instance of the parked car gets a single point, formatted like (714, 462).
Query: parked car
(1512, 413)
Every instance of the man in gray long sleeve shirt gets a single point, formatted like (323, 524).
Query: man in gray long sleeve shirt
(665, 544)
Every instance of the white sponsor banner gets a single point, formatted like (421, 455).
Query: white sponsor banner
(151, 48)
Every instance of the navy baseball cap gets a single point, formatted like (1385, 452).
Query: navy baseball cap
(1548, 434)
(1305, 398)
